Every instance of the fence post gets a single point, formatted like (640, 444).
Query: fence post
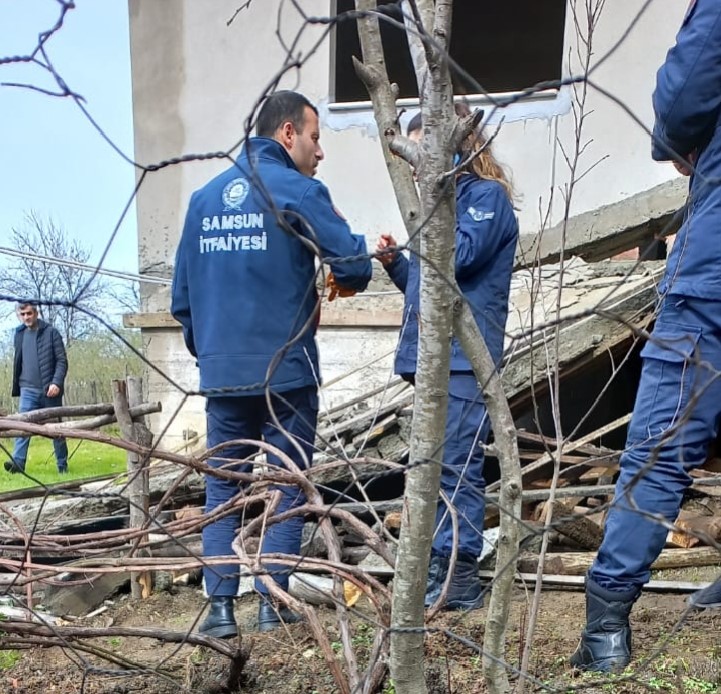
(126, 395)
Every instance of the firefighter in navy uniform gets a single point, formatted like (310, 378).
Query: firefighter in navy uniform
(678, 404)
(244, 293)
(486, 238)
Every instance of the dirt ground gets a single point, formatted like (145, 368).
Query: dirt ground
(669, 656)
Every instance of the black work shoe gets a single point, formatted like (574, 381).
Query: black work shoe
(220, 621)
(605, 644)
(710, 596)
(12, 467)
(465, 591)
(437, 573)
(271, 616)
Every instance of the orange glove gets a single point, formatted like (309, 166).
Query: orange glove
(334, 289)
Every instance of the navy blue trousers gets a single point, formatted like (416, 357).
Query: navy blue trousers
(248, 417)
(467, 427)
(675, 417)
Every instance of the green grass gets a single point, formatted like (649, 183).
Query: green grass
(85, 459)
(8, 659)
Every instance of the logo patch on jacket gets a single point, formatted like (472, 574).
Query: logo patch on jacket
(480, 215)
(235, 193)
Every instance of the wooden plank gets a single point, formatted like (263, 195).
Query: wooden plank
(123, 391)
(550, 442)
(588, 337)
(653, 586)
(543, 462)
(527, 495)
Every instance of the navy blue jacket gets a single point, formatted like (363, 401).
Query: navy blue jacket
(52, 360)
(687, 105)
(244, 282)
(486, 237)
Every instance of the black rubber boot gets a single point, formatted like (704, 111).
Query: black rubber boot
(220, 621)
(465, 591)
(710, 596)
(271, 616)
(437, 573)
(606, 641)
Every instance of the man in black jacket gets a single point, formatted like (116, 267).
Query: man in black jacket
(39, 371)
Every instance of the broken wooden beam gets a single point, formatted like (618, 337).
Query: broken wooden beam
(527, 495)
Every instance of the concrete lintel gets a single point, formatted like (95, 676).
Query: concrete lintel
(610, 229)
(335, 318)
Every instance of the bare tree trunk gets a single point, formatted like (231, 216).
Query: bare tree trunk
(427, 434)
(437, 295)
(506, 444)
(412, 14)
(372, 72)
(435, 327)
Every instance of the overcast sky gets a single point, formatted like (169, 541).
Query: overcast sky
(52, 160)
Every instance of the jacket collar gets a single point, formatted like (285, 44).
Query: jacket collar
(266, 148)
(41, 326)
(465, 180)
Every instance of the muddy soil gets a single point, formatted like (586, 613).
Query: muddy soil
(673, 652)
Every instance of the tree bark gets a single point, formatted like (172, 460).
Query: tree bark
(372, 72)
(437, 249)
(504, 432)
(428, 25)
(578, 563)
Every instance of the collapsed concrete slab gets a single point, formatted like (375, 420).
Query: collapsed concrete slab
(609, 230)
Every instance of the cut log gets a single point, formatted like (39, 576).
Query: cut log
(318, 590)
(393, 520)
(583, 531)
(578, 563)
(694, 529)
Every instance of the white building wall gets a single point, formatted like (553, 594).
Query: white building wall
(195, 80)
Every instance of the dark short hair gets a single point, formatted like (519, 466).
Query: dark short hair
(22, 303)
(415, 123)
(279, 108)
